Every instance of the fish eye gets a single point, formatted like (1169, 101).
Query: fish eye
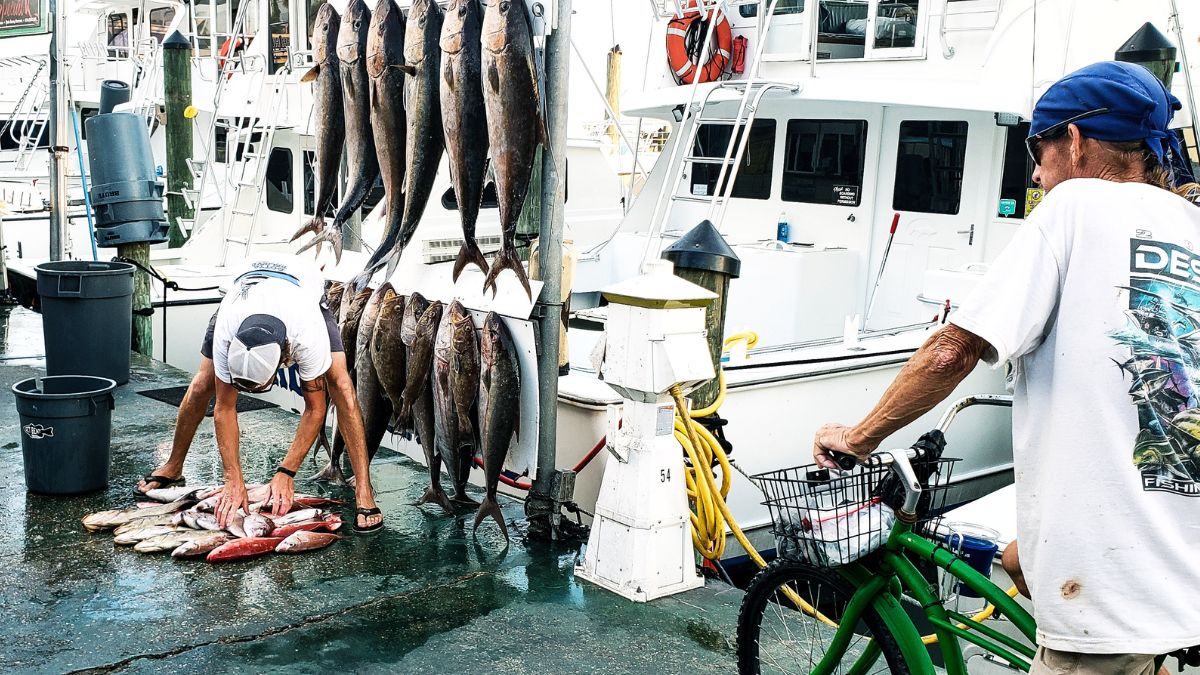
(504, 5)
(462, 10)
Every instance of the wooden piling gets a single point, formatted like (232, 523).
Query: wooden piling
(177, 93)
(142, 341)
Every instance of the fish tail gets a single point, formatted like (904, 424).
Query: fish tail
(314, 225)
(507, 259)
(393, 261)
(404, 417)
(469, 254)
(489, 507)
(360, 282)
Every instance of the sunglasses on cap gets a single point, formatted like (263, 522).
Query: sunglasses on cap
(1054, 131)
(251, 387)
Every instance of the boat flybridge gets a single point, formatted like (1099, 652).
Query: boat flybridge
(887, 134)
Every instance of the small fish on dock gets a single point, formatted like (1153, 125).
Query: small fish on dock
(243, 549)
(304, 541)
(169, 541)
(134, 536)
(201, 545)
(107, 520)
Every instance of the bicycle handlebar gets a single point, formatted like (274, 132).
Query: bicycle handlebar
(900, 459)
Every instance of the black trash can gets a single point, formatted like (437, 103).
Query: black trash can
(66, 428)
(87, 317)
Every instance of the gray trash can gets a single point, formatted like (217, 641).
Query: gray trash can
(66, 429)
(87, 317)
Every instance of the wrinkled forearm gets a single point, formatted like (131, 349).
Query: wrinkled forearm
(945, 360)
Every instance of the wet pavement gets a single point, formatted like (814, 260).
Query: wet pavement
(422, 596)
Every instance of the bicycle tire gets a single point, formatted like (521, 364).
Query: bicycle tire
(832, 594)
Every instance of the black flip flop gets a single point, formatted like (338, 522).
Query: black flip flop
(159, 483)
(370, 529)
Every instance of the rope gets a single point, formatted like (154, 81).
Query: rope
(167, 283)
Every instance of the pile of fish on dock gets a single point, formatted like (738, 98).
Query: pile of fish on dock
(181, 520)
(422, 368)
(464, 83)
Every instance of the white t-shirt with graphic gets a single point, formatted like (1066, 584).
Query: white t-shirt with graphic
(1096, 302)
(288, 288)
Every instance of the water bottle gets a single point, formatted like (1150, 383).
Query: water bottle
(782, 230)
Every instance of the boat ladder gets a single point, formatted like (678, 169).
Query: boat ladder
(748, 93)
(202, 170)
(28, 120)
(248, 174)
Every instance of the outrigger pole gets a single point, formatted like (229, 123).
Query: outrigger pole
(550, 490)
(58, 131)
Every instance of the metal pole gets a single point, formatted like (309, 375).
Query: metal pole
(1187, 72)
(558, 58)
(58, 132)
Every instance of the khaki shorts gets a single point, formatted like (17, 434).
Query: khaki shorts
(1050, 662)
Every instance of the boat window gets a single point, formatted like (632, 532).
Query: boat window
(310, 187)
(895, 24)
(1018, 174)
(220, 144)
(160, 21)
(929, 166)
(279, 180)
(118, 35)
(823, 161)
(279, 20)
(313, 7)
(782, 7)
(754, 174)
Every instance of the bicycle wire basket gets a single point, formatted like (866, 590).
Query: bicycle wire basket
(830, 518)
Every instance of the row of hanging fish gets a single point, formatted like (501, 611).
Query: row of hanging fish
(398, 94)
(422, 367)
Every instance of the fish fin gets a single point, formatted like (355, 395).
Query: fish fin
(335, 237)
(466, 430)
(311, 74)
(408, 70)
(469, 254)
(507, 259)
(489, 507)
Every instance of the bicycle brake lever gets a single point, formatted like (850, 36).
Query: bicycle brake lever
(843, 459)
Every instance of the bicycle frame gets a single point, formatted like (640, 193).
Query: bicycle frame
(880, 589)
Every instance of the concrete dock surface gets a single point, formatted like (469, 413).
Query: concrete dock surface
(422, 596)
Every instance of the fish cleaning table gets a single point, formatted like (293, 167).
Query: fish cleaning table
(422, 596)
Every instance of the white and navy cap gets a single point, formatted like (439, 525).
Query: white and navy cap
(256, 352)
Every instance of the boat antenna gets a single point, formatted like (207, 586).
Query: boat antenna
(58, 132)
(1033, 61)
(1187, 72)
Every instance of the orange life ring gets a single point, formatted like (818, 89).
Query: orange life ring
(684, 35)
(228, 45)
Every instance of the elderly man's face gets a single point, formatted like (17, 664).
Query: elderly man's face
(1054, 166)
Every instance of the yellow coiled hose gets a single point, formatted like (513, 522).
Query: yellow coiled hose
(711, 516)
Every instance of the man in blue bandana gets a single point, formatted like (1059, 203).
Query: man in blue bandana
(1106, 270)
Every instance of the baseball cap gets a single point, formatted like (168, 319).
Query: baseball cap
(1113, 101)
(256, 351)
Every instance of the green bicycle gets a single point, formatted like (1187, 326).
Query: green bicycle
(849, 553)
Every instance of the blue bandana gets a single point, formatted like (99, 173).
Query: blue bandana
(1139, 108)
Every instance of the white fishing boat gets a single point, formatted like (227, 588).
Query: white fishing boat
(887, 135)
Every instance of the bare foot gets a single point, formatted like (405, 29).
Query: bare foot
(166, 471)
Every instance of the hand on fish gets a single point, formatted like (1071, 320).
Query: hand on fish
(281, 494)
(233, 498)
